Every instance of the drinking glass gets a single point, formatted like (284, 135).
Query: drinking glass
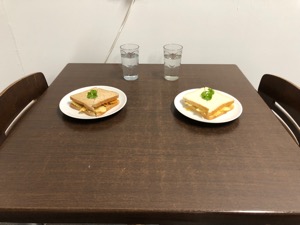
(172, 61)
(130, 61)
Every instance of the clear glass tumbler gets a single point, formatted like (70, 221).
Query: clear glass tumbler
(172, 61)
(130, 61)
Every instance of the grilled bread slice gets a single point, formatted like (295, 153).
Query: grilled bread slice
(97, 105)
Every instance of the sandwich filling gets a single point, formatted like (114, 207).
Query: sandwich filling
(210, 108)
(94, 102)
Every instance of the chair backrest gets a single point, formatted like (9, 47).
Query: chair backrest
(15, 98)
(283, 98)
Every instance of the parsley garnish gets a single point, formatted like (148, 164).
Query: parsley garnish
(207, 94)
(92, 94)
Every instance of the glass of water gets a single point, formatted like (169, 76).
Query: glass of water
(172, 61)
(130, 61)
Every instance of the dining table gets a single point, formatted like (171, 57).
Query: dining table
(150, 160)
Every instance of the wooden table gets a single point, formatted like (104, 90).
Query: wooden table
(148, 163)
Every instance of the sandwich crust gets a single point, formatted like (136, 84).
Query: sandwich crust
(97, 106)
(97, 111)
(209, 109)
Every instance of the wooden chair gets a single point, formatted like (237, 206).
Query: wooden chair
(17, 97)
(283, 98)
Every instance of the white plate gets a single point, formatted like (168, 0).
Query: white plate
(229, 116)
(64, 103)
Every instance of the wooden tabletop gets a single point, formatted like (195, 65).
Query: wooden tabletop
(148, 163)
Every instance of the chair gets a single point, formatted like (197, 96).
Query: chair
(283, 98)
(17, 97)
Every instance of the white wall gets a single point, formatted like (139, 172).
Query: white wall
(260, 36)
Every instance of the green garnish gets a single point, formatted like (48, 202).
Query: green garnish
(207, 94)
(92, 94)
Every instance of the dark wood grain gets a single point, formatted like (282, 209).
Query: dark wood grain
(148, 163)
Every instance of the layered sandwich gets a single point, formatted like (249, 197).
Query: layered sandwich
(95, 101)
(208, 103)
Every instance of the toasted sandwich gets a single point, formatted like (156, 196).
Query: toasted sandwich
(95, 101)
(208, 103)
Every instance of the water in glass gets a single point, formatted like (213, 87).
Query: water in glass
(130, 65)
(172, 66)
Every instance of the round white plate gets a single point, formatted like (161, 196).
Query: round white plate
(229, 116)
(64, 103)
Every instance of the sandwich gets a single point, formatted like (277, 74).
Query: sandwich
(95, 101)
(208, 103)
